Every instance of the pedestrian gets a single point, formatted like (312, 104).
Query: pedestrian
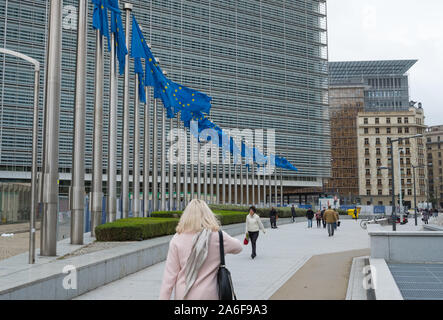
(318, 218)
(425, 216)
(310, 216)
(435, 213)
(253, 227)
(355, 214)
(323, 217)
(293, 213)
(330, 218)
(273, 218)
(337, 217)
(194, 255)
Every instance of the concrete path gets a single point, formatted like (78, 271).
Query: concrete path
(280, 253)
(323, 277)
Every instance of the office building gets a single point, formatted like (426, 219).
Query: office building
(374, 154)
(263, 62)
(434, 141)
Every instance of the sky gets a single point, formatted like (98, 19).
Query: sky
(390, 30)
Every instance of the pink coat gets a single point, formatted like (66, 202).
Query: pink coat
(205, 286)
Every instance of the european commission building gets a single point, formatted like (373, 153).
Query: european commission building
(264, 62)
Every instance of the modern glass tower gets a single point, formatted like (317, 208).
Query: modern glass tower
(387, 81)
(263, 62)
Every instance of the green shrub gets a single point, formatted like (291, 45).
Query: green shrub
(282, 212)
(167, 214)
(228, 207)
(135, 229)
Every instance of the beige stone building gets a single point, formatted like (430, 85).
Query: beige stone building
(434, 143)
(374, 129)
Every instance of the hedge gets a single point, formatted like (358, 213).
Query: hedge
(135, 229)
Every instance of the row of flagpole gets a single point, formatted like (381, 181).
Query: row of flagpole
(250, 193)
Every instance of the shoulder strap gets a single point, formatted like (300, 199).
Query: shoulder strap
(222, 248)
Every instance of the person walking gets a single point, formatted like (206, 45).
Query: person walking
(310, 216)
(330, 217)
(273, 218)
(318, 218)
(323, 217)
(194, 255)
(337, 217)
(293, 213)
(253, 227)
(425, 216)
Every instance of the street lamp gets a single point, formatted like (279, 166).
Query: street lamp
(391, 142)
(415, 192)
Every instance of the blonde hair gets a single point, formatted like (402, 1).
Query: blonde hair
(196, 217)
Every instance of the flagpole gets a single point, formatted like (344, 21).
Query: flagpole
(235, 183)
(281, 187)
(78, 155)
(223, 180)
(185, 170)
(136, 152)
(199, 173)
(97, 146)
(154, 158)
(247, 185)
(270, 183)
(205, 177)
(253, 183)
(217, 180)
(211, 181)
(112, 136)
(125, 157)
(178, 165)
(147, 155)
(171, 171)
(275, 187)
(258, 187)
(241, 181)
(163, 162)
(229, 181)
(191, 138)
(52, 112)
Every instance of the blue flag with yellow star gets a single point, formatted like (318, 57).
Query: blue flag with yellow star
(120, 38)
(175, 97)
(100, 19)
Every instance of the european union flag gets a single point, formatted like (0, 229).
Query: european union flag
(120, 39)
(138, 68)
(100, 19)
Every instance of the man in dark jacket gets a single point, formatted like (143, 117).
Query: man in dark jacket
(310, 216)
(293, 213)
(322, 213)
(273, 218)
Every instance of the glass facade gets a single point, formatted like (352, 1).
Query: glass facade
(263, 62)
(387, 85)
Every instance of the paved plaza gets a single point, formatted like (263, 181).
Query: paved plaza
(280, 254)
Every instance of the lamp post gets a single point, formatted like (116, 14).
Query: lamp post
(415, 192)
(391, 142)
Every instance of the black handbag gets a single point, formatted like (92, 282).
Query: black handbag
(225, 287)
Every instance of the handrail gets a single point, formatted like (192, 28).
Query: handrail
(22, 56)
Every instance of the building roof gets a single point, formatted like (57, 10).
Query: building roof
(360, 69)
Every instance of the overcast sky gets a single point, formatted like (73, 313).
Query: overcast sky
(394, 29)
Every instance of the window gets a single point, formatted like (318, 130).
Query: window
(366, 130)
(406, 120)
(380, 192)
(368, 182)
(377, 130)
(378, 162)
(400, 130)
(377, 120)
(388, 130)
(379, 182)
(367, 162)
(368, 192)
(366, 151)
(368, 172)
(378, 151)
(406, 130)
(398, 120)
(365, 120)
(377, 141)
(366, 141)
(388, 120)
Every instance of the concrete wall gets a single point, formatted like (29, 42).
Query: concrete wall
(407, 246)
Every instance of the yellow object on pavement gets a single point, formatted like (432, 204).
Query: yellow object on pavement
(351, 212)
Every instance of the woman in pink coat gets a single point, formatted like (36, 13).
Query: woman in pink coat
(194, 257)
